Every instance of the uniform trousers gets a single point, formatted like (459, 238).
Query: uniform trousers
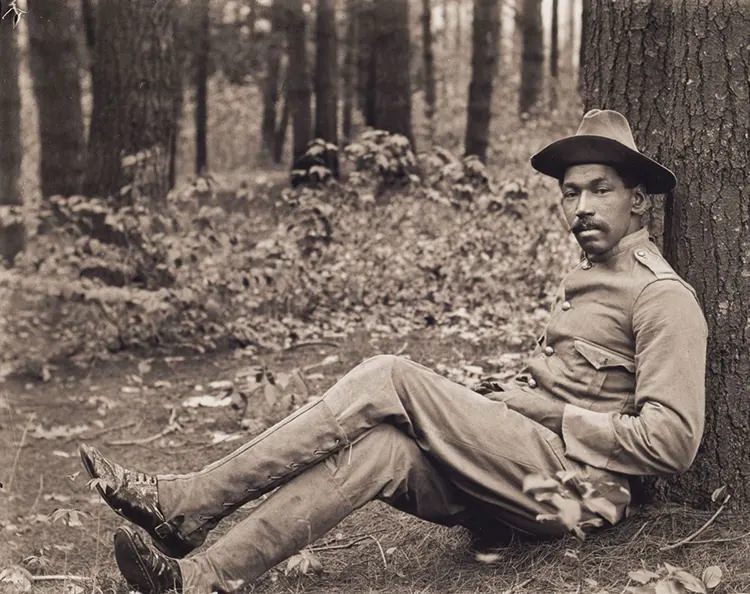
(390, 429)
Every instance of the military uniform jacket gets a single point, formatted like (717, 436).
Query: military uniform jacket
(625, 351)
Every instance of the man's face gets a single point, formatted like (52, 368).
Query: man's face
(598, 206)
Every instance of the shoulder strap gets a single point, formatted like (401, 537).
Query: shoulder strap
(660, 268)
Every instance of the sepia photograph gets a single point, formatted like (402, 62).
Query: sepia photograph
(374, 296)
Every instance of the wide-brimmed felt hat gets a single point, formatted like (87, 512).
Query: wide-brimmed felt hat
(604, 136)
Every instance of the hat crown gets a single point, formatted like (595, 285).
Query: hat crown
(608, 124)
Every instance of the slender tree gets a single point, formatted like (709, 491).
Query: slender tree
(392, 67)
(690, 60)
(350, 63)
(298, 88)
(484, 54)
(532, 55)
(366, 57)
(275, 50)
(202, 51)
(53, 49)
(89, 23)
(428, 65)
(136, 100)
(326, 77)
(554, 57)
(11, 227)
(585, 26)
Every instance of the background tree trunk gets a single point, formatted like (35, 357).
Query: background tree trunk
(202, 51)
(691, 61)
(88, 15)
(392, 67)
(53, 50)
(485, 38)
(298, 82)
(584, 41)
(11, 226)
(326, 77)
(136, 100)
(532, 55)
(428, 64)
(271, 83)
(554, 57)
(366, 59)
(350, 61)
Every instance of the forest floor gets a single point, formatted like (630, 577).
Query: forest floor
(54, 525)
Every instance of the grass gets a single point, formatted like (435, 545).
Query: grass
(376, 549)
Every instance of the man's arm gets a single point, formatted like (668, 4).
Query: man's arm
(664, 433)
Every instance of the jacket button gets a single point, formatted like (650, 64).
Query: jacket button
(549, 351)
(641, 253)
(566, 305)
(532, 382)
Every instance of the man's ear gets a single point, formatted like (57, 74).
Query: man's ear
(641, 202)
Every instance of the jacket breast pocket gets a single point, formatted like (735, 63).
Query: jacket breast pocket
(605, 373)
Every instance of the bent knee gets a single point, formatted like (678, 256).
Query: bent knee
(388, 441)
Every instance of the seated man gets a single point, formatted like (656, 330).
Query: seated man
(615, 390)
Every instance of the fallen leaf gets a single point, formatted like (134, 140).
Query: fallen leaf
(207, 401)
(19, 578)
(712, 576)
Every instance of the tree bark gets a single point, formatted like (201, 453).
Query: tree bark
(392, 67)
(679, 71)
(366, 83)
(350, 61)
(271, 84)
(54, 62)
(298, 90)
(532, 55)
(485, 41)
(11, 225)
(202, 51)
(326, 77)
(554, 57)
(88, 15)
(136, 95)
(428, 64)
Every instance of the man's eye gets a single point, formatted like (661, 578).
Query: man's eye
(569, 194)
(602, 190)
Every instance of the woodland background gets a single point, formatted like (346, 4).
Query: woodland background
(211, 209)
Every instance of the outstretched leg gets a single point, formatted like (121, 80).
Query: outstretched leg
(384, 464)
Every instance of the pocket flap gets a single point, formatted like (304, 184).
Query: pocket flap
(601, 357)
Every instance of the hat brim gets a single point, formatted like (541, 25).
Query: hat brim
(555, 159)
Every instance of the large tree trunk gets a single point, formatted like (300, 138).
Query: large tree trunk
(326, 78)
(350, 62)
(428, 64)
(298, 91)
(136, 92)
(53, 50)
(11, 226)
(202, 50)
(532, 55)
(271, 84)
(392, 67)
(485, 37)
(366, 52)
(679, 71)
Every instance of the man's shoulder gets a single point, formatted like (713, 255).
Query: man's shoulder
(651, 266)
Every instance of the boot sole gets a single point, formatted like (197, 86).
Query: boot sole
(178, 551)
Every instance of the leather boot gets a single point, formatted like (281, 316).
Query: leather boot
(134, 496)
(144, 568)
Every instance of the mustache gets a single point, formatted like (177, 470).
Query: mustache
(586, 225)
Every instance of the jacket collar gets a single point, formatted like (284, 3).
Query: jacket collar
(627, 243)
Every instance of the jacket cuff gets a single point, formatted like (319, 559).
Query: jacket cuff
(589, 436)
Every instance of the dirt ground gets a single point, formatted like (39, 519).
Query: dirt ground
(59, 530)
